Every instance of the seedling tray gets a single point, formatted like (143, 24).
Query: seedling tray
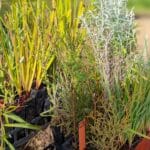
(37, 103)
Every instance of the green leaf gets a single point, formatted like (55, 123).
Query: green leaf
(14, 117)
(11, 109)
(139, 134)
(47, 113)
(22, 125)
(11, 147)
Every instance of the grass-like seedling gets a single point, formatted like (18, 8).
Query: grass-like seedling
(68, 15)
(26, 42)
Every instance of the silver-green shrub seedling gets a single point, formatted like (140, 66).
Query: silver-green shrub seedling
(110, 27)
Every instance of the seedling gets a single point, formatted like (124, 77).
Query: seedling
(27, 44)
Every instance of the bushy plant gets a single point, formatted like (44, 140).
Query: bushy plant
(116, 86)
(104, 127)
(27, 44)
(124, 77)
(75, 78)
(69, 47)
(110, 27)
(124, 116)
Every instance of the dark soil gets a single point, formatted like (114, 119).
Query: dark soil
(126, 146)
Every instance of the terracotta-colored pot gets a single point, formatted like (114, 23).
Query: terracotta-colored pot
(143, 145)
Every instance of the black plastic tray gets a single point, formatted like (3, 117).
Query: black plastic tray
(37, 103)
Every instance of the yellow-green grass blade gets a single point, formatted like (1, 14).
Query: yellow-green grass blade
(22, 125)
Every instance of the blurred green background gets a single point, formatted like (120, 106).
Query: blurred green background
(140, 6)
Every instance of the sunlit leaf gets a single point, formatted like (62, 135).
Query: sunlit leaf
(22, 125)
(11, 147)
(14, 117)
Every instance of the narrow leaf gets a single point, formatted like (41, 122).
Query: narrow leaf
(14, 117)
(22, 125)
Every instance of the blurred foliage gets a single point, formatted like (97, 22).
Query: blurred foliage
(140, 6)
